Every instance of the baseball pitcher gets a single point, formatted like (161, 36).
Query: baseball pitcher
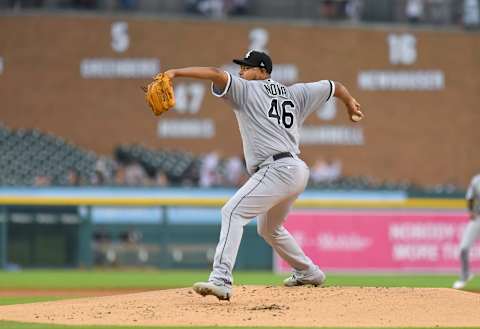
(471, 233)
(269, 116)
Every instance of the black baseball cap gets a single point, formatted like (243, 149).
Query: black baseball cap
(256, 59)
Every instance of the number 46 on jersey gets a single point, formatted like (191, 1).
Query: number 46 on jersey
(279, 110)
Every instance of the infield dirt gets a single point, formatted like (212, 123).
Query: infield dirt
(264, 306)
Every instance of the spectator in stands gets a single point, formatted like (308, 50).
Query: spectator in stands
(353, 10)
(161, 179)
(335, 169)
(471, 14)
(328, 9)
(135, 175)
(127, 4)
(119, 178)
(414, 10)
(102, 175)
(326, 171)
(73, 177)
(319, 171)
(235, 172)
(98, 178)
(130, 173)
(42, 180)
(336, 9)
(213, 8)
(209, 170)
(85, 4)
(236, 7)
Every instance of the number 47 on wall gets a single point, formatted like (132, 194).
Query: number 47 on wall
(189, 97)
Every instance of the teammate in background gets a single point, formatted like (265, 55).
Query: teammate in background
(471, 233)
(269, 116)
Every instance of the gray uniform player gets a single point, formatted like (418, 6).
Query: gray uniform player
(471, 233)
(269, 116)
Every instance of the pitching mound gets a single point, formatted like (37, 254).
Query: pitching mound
(264, 306)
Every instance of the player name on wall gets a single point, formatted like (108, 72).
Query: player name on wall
(401, 80)
(332, 135)
(402, 52)
(126, 68)
(109, 68)
(381, 240)
(186, 128)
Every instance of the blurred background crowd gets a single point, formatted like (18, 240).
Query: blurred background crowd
(33, 158)
(438, 12)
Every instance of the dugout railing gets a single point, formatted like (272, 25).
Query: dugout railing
(70, 209)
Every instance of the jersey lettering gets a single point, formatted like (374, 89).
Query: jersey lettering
(274, 90)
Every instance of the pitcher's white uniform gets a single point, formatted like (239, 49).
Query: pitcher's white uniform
(471, 233)
(269, 116)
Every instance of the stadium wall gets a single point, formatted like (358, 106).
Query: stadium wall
(178, 228)
(79, 77)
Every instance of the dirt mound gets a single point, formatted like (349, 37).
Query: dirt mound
(264, 306)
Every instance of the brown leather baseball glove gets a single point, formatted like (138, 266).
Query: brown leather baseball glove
(159, 94)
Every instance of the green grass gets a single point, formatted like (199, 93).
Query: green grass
(111, 279)
(25, 300)
(156, 279)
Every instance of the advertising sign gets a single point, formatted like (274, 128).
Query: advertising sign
(381, 240)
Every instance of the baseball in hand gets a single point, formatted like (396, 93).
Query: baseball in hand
(356, 117)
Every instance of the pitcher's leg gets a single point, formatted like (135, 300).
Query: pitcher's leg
(251, 200)
(470, 235)
(270, 227)
(229, 242)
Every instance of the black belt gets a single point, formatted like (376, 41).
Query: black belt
(278, 156)
(282, 155)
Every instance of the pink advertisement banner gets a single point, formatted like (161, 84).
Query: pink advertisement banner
(381, 240)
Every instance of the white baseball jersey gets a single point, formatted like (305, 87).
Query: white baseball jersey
(472, 231)
(473, 193)
(270, 114)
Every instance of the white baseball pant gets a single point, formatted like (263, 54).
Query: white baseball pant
(268, 195)
(471, 234)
